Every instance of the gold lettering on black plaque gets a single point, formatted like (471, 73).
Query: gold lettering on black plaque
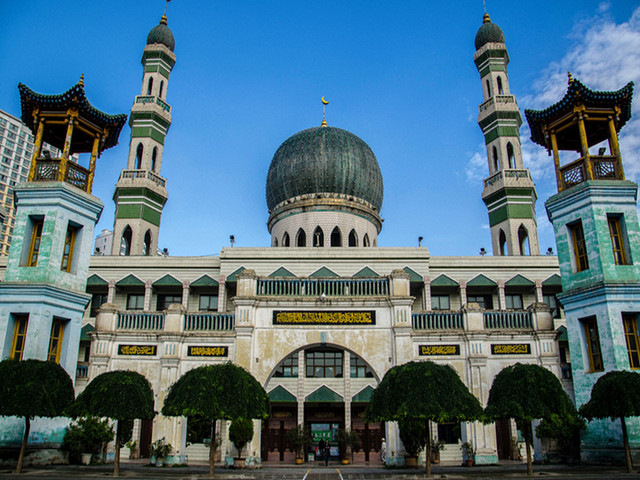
(324, 318)
(438, 350)
(510, 349)
(207, 351)
(145, 350)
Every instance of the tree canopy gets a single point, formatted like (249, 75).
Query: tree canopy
(121, 395)
(217, 392)
(33, 388)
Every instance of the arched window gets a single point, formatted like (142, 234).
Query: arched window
(161, 88)
(146, 246)
(150, 86)
(318, 237)
(275, 242)
(125, 241)
(301, 238)
(353, 239)
(502, 240)
(523, 240)
(365, 240)
(488, 89)
(500, 90)
(496, 166)
(139, 151)
(511, 156)
(285, 240)
(154, 155)
(336, 238)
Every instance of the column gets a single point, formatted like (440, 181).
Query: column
(501, 298)
(615, 147)
(300, 395)
(92, 163)
(185, 295)
(584, 147)
(426, 296)
(463, 293)
(37, 149)
(539, 297)
(556, 160)
(347, 390)
(111, 292)
(67, 148)
(147, 296)
(222, 295)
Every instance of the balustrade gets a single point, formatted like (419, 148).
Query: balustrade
(208, 321)
(445, 320)
(315, 287)
(600, 167)
(140, 321)
(158, 180)
(508, 320)
(48, 169)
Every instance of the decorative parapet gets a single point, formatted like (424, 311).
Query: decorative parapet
(316, 287)
(399, 283)
(143, 174)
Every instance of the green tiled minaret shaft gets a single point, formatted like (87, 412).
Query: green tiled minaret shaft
(508, 193)
(141, 192)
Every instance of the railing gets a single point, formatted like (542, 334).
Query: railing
(603, 167)
(209, 321)
(82, 371)
(140, 321)
(511, 173)
(497, 99)
(508, 320)
(437, 320)
(153, 99)
(158, 180)
(330, 287)
(48, 169)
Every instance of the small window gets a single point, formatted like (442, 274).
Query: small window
(139, 152)
(301, 240)
(502, 240)
(485, 301)
(633, 344)
(325, 363)
(154, 156)
(579, 246)
(67, 253)
(496, 165)
(336, 238)
(150, 86)
(318, 237)
(592, 339)
(488, 89)
(165, 300)
(500, 89)
(359, 369)
(440, 302)
(353, 239)
(160, 91)
(511, 156)
(97, 300)
(288, 368)
(19, 336)
(146, 246)
(365, 240)
(208, 303)
(523, 240)
(55, 340)
(34, 246)
(285, 240)
(617, 239)
(513, 302)
(125, 241)
(135, 302)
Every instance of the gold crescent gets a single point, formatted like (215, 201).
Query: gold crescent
(324, 101)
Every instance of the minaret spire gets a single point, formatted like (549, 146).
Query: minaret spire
(324, 112)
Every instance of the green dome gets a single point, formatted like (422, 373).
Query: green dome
(161, 34)
(324, 160)
(488, 33)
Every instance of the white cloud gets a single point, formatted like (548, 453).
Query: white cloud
(476, 168)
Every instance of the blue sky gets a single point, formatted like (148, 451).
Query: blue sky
(249, 74)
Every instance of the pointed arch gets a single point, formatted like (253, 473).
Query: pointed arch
(502, 241)
(125, 241)
(523, 240)
(150, 86)
(336, 237)
(161, 88)
(139, 152)
(146, 246)
(365, 240)
(488, 89)
(154, 156)
(301, 238)
(511, 156)
(500, 89)
(353, 238)
(286, 242)
(275, 241)
(496, 164)
(318, 237)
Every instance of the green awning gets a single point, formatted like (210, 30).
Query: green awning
(282, 272)
(281, 394)
(363, 395)
(96, 281)
(553, 281)
(519, 281)
(365, 272)
(233, 278)
(86, 330)
(413, 276)
(481, 281)
(204, 281)
(323, 272)
(130, 281)
(167, 281)
(324, 394)
(444, 281)
(562, 335)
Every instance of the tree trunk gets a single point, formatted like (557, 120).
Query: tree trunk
(427, 460)
(212, 449)
(528, 448)
(23, 448)
(116, 460)
(627, 452)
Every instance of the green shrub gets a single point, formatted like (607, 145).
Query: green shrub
(88, 435)
(241, 433)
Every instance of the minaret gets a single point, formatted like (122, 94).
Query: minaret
(141, 192)
(508, 193)
(595, 219)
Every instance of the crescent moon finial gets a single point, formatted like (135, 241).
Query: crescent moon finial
(324, 102)
(324, 111)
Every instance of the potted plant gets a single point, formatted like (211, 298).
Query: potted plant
(87, 438)
(299, 439)
(240, 433)
(347, 441)
(414, 437)
(467, 453)
(437, 446)
(160, 449)
(132, 445)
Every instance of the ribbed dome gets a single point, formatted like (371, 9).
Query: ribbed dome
(324, 160)
(488, 33)
(161, 34)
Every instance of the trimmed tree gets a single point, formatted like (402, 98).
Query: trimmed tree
(217, 392)
(121, 395)
(33, 388)
(240, 433)
(526, 393)
(423, 391)
(615, 395)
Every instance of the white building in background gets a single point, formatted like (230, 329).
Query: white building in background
(104, 243)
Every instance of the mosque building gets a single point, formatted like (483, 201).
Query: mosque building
(320, 315)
